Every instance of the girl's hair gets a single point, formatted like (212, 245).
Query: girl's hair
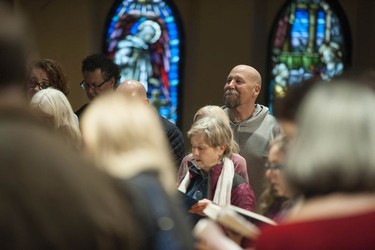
(215, 131)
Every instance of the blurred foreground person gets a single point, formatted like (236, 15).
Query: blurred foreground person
(51, 199)
(15, 51)
(135, 89)
(332, 164)
(130, 144)
(286, 107)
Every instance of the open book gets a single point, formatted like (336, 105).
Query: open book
(253, 217)
(237, 219)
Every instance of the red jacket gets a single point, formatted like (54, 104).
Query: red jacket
(242, 195)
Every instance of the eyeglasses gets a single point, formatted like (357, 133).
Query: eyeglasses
(85, 85)
(41, 85)
(273, 166)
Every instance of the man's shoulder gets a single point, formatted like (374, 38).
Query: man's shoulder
(167, 124)
(264, 113)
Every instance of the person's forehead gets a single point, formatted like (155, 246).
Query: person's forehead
(239, 72)
(96, 75)
(275, 153)
(199, 138)
(38, 72)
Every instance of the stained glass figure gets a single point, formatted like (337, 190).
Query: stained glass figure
(143, 37)
(310, 38)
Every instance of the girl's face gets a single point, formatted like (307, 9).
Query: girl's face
(276, 175)
(205, 155)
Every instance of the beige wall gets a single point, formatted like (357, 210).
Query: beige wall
(218, 35)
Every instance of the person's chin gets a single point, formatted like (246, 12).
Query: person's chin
(231, 101)
(280, 192)
(199, 163)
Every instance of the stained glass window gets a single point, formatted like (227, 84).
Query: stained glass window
(144, 38)
(310, 38)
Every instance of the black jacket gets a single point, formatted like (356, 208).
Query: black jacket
(176, 140)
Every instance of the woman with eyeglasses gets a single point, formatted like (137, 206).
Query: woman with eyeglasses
(45, 73)
(331, 163)
(275, 201)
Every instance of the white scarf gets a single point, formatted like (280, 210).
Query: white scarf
(223, 190)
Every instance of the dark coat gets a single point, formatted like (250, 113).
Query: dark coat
(176, 140)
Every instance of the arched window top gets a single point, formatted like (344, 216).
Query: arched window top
(143, 37)
(310, 39)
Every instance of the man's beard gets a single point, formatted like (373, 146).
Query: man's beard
(231, 99)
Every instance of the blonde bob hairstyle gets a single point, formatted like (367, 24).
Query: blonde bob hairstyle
(216, 132)
(217, 112)
(335, 145)
(125, 137)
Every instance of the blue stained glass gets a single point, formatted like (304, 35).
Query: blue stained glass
(143, 38)
(173, 75)
(308, 41)
(320, 28)
(170, 20)
(175, 59)
(300, 30)
(173, 68)
(174, 83)
(175, 51)
(174, 42)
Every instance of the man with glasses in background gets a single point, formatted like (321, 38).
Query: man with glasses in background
(100, 74)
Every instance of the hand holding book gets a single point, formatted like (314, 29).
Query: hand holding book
(237, 219)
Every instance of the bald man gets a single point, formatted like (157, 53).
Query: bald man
(135, 89)
(252, 124)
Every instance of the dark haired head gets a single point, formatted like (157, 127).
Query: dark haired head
(102, 62)
(55, 73)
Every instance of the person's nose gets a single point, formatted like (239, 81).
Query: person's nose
(195, 152)
(230, 84)
(268, 173)
(91, 90)
(36, 88)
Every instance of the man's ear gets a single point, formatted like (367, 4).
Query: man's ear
(257, 89)
(112, 82)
